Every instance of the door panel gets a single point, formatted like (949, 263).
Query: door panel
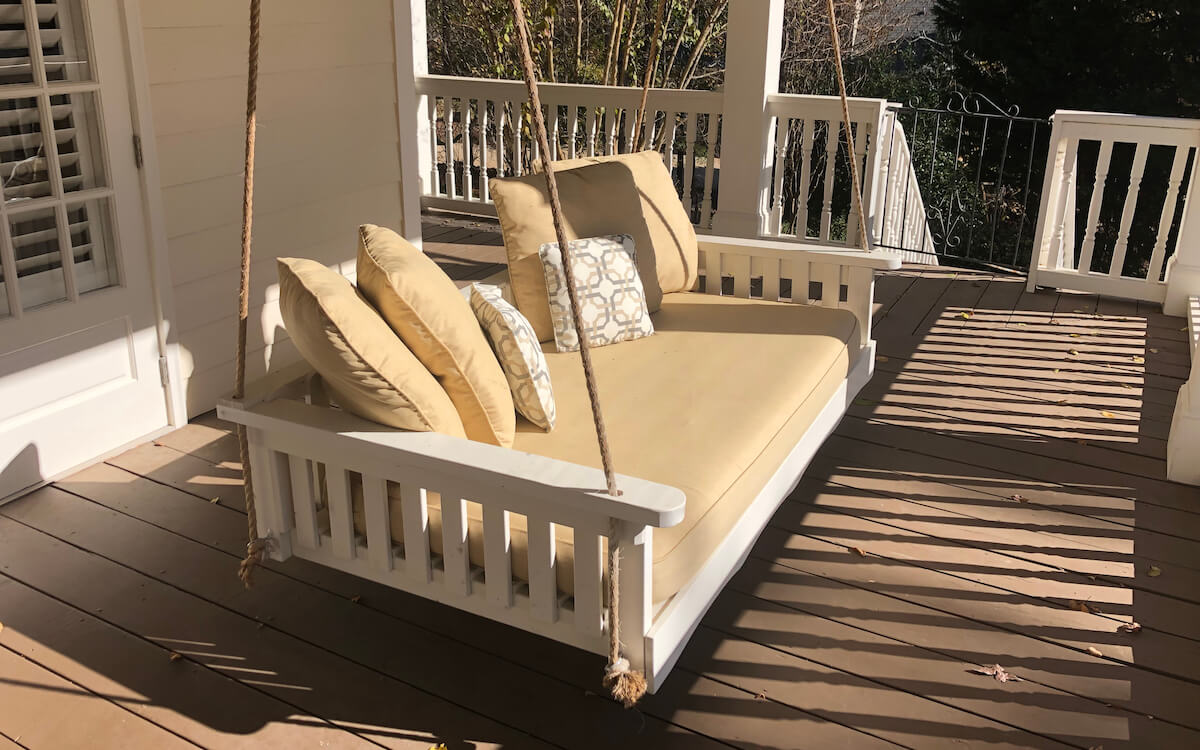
(79, 355)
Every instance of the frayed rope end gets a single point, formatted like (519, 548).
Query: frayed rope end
(626, 686)
(256, 550)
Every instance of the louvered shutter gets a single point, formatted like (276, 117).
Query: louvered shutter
(50, 216)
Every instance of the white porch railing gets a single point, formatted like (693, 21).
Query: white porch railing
(899, 209)
(478, 130)
(1115, 200)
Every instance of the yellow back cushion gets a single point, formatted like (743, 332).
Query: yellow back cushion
(422, 305)
(625, 194)
(367, 368)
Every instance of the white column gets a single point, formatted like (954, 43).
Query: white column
(1183, 270)
(412, 60)
(753, 44)
(1183, 444)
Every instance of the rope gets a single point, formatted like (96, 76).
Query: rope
(256, 548)
(837, 59)
(626, 686)
(651, 66)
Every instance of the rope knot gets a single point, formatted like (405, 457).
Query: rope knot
(625, 685)
(256, 550)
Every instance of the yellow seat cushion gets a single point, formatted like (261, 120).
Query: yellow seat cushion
(626, 194)
(711, 404)
(364, 364)
(423, 306)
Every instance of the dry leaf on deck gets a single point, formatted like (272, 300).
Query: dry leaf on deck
(1094, 651)
(175, 656)
(1129, 627)
(1126, 385)
(964, 315)
(1154, 351)
(1073, 352)
(858, 551)
(1074, 335)
(356, 598)
(761, 695)
(1107, 414)
(215, 500)
(1019, 498)
(1154, 571)
(1138, 359)
(1061, 401)
(880, 358)
(998, 672)
(438, 746)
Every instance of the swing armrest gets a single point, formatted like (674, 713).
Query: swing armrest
(521, 482)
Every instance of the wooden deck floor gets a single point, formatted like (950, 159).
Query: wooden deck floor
(996, 496)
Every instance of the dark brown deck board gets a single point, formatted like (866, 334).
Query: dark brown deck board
(811, 645)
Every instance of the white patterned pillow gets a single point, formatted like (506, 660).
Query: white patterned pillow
(519, 352)
(612, 302)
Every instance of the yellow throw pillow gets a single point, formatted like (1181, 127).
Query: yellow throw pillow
(625, 194)
(422, 305)
(366, 367)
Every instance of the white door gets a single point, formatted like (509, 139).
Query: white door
(79, 354)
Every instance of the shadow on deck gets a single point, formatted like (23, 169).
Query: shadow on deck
(995, 496)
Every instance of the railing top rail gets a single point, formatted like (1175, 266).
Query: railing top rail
(824, 107)
(1064, 116)
(583, 93)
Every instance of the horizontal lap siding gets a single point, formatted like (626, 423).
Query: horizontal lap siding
(327, 160)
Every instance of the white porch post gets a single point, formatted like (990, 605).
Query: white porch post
(412, 60)
(753, 44)
(1183, 444)
(1183, 270)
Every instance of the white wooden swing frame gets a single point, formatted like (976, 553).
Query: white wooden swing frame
(288, 437)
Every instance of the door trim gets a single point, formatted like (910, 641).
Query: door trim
(163, 291)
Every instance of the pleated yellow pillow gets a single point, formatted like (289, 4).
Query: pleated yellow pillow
(422, 305)
(365, 365)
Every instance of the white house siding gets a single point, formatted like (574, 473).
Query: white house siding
(327, 159)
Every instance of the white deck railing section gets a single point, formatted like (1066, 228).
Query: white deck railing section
(479, 129)
(479, 125)
(1063, 257)
(899, 208)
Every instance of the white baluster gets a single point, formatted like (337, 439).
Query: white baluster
(775, 223)
(689, 162)
(450, 176)
(807, 144)
(1168, 213)
(468, 152)
(831, 148)
(710, 169)
(1099, 183)
(1131, 198)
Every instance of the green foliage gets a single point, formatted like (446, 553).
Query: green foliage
(1139, 56)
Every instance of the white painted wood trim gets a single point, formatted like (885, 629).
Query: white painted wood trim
(141, 115)
(413, 120)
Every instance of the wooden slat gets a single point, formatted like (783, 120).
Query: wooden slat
(827, 275)
(497, 555)
(454, 545)
(771, 279)
(415, 512)
(341, 517)
(304, 503)
(377, 517)
(739, 268)
(588, 567)
(543, 583)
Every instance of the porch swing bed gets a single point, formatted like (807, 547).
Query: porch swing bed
(712, 419)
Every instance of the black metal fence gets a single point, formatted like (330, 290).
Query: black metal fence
(979, 168)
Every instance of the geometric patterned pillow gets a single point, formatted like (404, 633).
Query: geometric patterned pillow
(612, 302)
(520, 354)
